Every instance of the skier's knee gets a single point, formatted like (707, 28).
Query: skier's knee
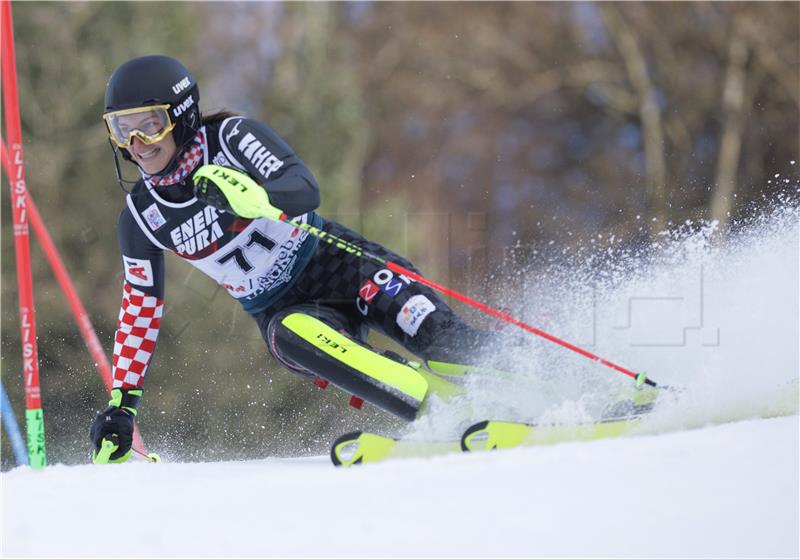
(323, 345)
(282, 342)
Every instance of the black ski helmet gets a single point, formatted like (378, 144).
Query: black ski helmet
(157, 80)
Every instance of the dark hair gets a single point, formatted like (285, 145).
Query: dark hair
(218, 116)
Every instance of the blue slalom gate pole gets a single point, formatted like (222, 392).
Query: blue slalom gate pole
(12, 428)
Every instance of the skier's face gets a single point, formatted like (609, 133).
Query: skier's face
(153, 158)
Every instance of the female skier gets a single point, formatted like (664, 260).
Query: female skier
(313, 302)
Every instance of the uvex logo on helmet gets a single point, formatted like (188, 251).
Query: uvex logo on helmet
(181, 85)
(178, 111)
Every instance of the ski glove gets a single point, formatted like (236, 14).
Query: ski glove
(112, 430)
(233, 191)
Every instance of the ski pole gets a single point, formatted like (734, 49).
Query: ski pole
(342, 244)
(150, 457)
(108, 446)
(250, 200)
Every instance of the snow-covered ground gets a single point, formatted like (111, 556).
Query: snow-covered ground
(729, 490)
(707, 474)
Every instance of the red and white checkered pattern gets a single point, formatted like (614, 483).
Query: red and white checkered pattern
(190, 160)
(135, 340)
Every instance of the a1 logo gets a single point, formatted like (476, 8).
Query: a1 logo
(138, 271)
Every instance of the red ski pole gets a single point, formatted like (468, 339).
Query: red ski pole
(347, 246)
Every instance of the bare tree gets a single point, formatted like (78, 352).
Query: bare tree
(735, 98)
(636, 66)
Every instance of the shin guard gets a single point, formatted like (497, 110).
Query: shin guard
(314, 347)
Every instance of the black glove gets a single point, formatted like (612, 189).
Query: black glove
(112, 429)
(209, 193)
(233, 191)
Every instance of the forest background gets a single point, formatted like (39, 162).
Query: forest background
(474, 138)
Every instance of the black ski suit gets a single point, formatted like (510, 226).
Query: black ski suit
(268, 266)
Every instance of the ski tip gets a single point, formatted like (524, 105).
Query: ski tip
(468, 435)
(360, 448)
(493, 435)
(345, 448)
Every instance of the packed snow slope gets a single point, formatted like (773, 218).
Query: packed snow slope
(713, 471)
(729, 490)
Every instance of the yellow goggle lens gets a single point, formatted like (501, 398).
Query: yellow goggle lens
(149, 124)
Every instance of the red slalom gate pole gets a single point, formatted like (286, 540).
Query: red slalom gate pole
(78, 310)
(34, 417)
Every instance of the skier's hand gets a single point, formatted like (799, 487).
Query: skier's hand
(112, 430)
(209, 193)
(233, 191)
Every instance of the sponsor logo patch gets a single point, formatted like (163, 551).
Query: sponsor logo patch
(152, 215)
(234, 132)
(413, 313)
(368, 291)
(261, 157)
(178, 111)
(383, 280)
(197, 232)
(393, 286)
(281, 271)
(181, 85)
(138, 271)
(221, 160)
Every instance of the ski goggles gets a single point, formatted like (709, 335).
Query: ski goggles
(149, 124)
